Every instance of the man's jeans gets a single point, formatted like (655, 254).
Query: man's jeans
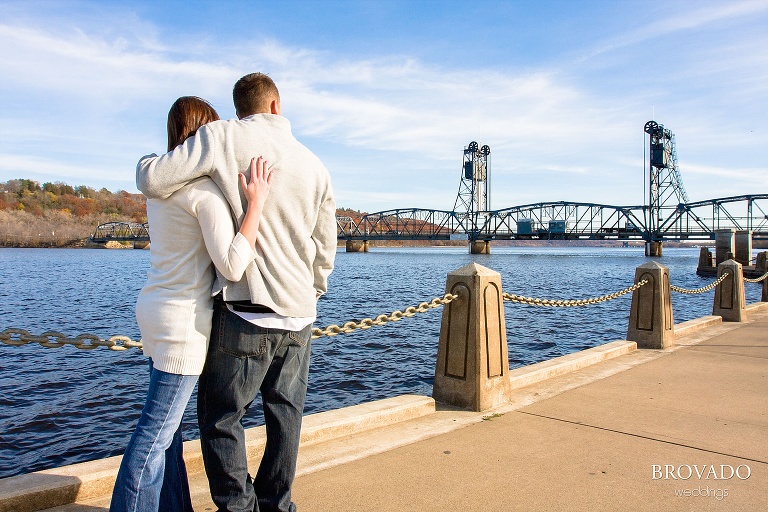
(244, 359)
(152, 472)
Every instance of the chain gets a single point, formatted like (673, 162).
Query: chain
(367, 323)
(55, 339)
(558, 303)
(761, 278)
(699, 290)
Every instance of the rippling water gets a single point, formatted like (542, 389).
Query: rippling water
(60, 406)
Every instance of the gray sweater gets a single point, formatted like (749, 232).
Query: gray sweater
(296, 245)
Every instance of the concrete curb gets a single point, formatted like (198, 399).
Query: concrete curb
(757, 307)
(87, 480)
(697, 324)
(544, 370)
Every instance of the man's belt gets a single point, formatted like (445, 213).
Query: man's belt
(244, 306)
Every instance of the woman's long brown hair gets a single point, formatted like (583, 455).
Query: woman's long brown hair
(187, 114)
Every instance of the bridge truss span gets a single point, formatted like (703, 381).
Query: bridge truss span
(700, 219)
(554, 220)
(121, 232)
(408, 224)
(565, 221)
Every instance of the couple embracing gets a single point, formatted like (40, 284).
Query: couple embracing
(243, 241)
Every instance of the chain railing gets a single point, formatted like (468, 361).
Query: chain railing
(757, 280)
(55, 339)
(703, 289)
(561, 303)
(367, 323)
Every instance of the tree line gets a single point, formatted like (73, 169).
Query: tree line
(58, 214)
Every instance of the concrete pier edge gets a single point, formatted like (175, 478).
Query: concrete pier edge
(88, 480)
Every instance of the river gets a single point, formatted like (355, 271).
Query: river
(61, 406)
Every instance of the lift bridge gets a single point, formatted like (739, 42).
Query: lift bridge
(668, 215)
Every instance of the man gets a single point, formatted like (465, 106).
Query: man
(261, 324)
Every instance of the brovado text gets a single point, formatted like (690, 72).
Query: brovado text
(700, 472)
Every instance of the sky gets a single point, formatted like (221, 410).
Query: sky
(388, 93)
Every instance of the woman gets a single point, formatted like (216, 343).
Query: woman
(191, 230)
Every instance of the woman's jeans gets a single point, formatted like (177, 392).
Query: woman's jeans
(244, 359)
(153, 475)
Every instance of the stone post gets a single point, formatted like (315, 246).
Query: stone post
(472, 370)
(705, 258)
(723, 244)
(729, 295)
(761, 266)
(651, 323)
(357, 245)
(760, 263)
(743, 240)
(764, 296)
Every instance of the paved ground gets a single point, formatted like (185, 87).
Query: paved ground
(598, 439)
(593, 447)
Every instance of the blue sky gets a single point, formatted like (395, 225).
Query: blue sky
(388, 93)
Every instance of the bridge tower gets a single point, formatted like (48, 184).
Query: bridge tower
(474, 197)
(665, 185)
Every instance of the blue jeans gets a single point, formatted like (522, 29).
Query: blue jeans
(244, 359)
(153, 472)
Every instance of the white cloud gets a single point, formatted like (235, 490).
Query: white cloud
(553, 132)
(674, 21)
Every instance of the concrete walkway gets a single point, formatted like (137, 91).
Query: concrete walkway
(593, 446)
(629, 433)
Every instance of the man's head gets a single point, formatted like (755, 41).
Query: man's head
(256, 93)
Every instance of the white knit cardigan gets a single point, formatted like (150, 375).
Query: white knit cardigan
(189, 230)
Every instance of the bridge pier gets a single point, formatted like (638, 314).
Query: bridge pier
(479, 247)
(743, 242)
(653, 248)
(140, 245)
(357, 245)
(723, 244)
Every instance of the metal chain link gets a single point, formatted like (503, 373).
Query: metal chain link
(761, 278)
(559, 303)
(699, 290)
(367, 323)
(55, 339)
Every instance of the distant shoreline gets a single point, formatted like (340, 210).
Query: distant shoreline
(85, 243)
